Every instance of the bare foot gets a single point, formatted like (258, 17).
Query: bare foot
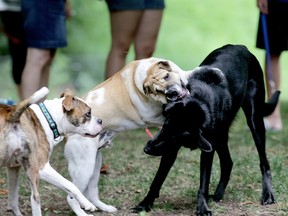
(274, 122)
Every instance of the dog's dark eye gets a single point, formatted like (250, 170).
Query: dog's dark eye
(88, 114)
(166, 77)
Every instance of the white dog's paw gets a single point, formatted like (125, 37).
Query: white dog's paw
(88, 206)
(105, 207)
(109, 208)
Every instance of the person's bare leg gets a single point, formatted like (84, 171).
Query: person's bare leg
(147, 33)
(123, 29)
(36, 71)
(18, 87)
(274, 120)
(46, 69)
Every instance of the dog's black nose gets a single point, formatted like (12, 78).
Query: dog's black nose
(146, 149)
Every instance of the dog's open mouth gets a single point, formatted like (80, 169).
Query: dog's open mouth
(176, 94)
(91, 135)
(183, 93)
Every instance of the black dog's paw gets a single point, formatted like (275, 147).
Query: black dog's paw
(206, 213)
(139, 208)
(268, 199)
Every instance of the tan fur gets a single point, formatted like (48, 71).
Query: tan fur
(120, 88)
(156, 83)
(123, 108)
(30, 123)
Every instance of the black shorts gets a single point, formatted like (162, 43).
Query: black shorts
(277, 27)
(13, 25)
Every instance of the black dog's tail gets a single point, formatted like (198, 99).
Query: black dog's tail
(270, 106)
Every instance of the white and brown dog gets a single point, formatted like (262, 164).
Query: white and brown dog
(28, 135)
(132, 98)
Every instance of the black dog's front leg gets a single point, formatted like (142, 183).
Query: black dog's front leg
(205, 173)
(167, 161)
(226, 165)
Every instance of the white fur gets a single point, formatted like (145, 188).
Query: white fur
(39, 94)
(50, 175)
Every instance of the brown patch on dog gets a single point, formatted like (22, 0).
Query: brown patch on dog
(75, 116)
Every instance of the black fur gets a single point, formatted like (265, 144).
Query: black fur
(229, 78)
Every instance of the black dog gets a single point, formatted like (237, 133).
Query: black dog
(229, 78)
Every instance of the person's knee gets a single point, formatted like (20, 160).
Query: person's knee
(121, 48)
(144, 50)
(41, 57)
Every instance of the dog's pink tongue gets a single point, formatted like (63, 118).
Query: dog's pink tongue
(148, 132)
(184, 93)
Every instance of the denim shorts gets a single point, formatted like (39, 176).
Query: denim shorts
(45, 23)
(115, 5)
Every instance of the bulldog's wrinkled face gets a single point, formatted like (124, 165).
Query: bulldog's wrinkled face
(79, 115)
(163, 84)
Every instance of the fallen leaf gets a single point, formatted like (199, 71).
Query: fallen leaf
(104, 169)
(4, 192)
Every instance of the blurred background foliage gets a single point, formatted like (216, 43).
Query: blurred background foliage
(190, 30)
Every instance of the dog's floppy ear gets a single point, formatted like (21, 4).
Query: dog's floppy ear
(198, 118)
(69, 100)
(193, 116)
(209, 75)
(164, 65)
(204, 144)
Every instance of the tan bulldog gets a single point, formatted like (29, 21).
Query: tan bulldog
(132, 98)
